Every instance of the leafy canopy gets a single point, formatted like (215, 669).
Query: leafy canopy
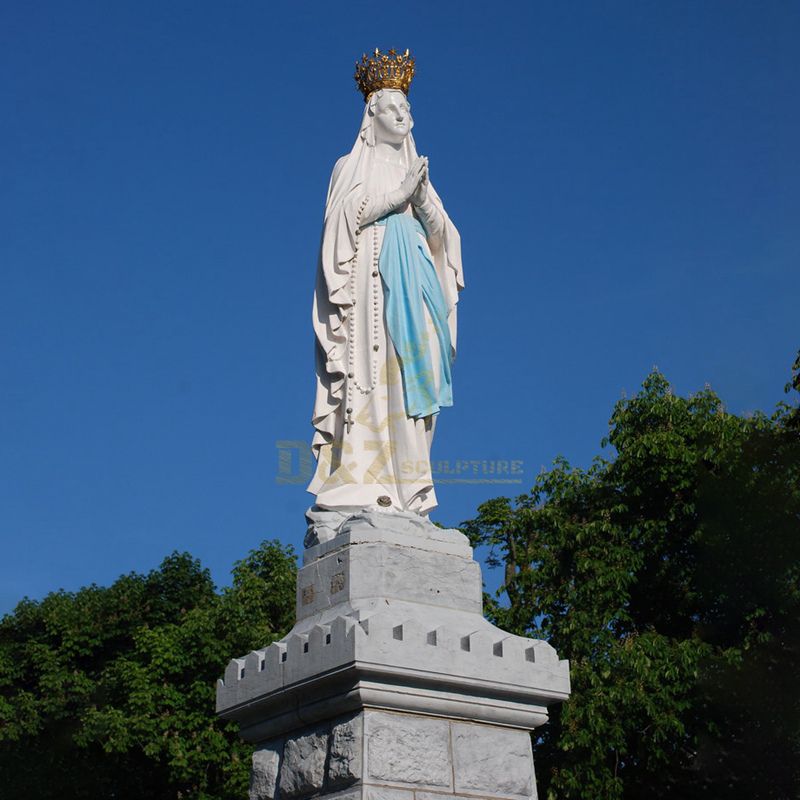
(109, 692)
(669, 576)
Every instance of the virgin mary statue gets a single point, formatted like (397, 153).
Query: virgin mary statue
(387, 284)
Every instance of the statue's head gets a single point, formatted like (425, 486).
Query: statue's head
(391, 116)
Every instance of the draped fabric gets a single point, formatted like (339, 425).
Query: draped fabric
(383, 451)
(411, 287)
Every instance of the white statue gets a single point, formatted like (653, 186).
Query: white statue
(384, 311)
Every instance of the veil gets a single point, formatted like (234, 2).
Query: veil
(332, 300)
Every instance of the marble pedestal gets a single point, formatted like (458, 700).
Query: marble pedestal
(392, 684)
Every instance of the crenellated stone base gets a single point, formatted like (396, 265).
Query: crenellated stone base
(392, 685)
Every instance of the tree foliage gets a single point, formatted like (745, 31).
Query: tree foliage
(109, 692)
(669, 575)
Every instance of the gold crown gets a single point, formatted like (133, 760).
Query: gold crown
(390, 70)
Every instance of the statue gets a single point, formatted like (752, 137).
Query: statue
(391, 676)
(388, 279)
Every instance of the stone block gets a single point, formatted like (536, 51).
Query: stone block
(408, 749)
(345, 761)
(264, 774)
(378, 569)
(303, 767)
(440, 796)
(491, 760)
(385, 793)
(403, 529)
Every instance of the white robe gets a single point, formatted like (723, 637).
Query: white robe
(382, 456)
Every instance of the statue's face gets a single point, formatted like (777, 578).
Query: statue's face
(392, 116)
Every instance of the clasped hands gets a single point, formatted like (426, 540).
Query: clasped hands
(415, 185)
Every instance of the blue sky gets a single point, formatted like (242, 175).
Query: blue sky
(624, 175)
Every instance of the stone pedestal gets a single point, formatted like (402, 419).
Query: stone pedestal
(392, 683)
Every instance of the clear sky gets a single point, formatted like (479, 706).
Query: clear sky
(625, 177)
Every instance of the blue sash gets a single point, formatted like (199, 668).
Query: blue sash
(409, 280)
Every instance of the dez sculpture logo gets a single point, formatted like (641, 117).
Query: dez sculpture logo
(296, 466)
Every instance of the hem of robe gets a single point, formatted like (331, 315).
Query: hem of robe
(420, 499)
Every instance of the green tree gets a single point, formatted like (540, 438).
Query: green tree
(669, 575)
(109, 692)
